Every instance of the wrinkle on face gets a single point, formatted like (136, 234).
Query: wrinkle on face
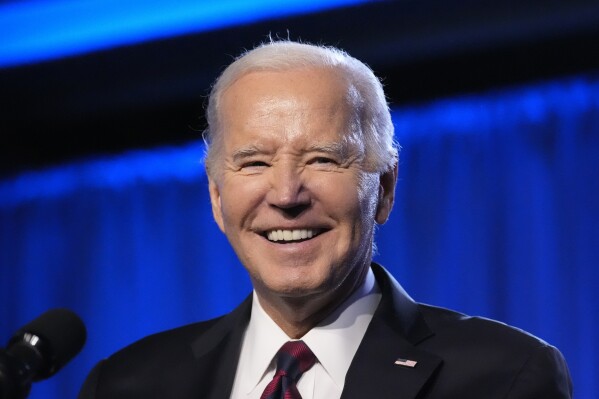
(294, 158)
(288, 117)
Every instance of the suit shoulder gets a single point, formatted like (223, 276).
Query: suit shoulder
(475, 329)
(164, 343)
(504, 361)
(146, 368)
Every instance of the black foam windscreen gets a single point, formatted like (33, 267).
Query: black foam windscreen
(61, 335)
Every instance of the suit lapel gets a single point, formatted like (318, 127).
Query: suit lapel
(394, 332)
(217, 352)
(396, 328)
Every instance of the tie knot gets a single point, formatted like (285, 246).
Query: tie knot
(294, 358)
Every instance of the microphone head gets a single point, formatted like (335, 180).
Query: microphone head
(57, 335)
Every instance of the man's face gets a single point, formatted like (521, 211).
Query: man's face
(289, 189)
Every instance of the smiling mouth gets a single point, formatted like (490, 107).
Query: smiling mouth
(285, 236)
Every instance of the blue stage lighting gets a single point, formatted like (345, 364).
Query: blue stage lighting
(34, 31)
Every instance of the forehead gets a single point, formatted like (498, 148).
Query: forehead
(324, 80)
(287, 103)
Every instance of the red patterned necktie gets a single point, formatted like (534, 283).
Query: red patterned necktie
(293, 359)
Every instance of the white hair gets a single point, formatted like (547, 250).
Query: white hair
(381, 151)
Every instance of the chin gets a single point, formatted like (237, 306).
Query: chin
(293, 287)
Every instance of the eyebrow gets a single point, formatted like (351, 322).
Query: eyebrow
(245, 152)
(340, 149)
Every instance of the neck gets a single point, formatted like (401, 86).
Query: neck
(298, 315)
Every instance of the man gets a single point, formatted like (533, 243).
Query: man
(302, 165)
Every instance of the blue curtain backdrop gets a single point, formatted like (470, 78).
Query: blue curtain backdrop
(497, 214)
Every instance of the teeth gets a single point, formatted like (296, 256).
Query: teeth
(290, 235)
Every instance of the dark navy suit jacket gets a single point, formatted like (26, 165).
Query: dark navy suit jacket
(456, 356)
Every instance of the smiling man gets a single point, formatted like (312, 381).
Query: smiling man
(302, 166)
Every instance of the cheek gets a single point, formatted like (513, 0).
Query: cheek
(352, 199)
(360, 205)
(368, 188)
(239, 200)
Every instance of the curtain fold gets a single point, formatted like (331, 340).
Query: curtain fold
(496, 214)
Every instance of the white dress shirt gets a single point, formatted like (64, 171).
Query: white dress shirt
(334, 342)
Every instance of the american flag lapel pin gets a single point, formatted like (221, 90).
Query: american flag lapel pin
(406, 362)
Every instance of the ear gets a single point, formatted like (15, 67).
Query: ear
(215, 200)
(386, 195)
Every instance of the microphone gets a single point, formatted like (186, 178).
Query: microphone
(38, 350)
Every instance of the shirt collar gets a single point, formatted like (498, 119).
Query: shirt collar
(334, 341)
(264, 339)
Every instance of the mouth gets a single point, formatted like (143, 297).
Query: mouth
(288, 236)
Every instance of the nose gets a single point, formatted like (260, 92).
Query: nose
(288, 190)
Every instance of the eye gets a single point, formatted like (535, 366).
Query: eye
(254, 165)
(323, 161)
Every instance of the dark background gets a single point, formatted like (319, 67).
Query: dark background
(496, 105)
(153, 93)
